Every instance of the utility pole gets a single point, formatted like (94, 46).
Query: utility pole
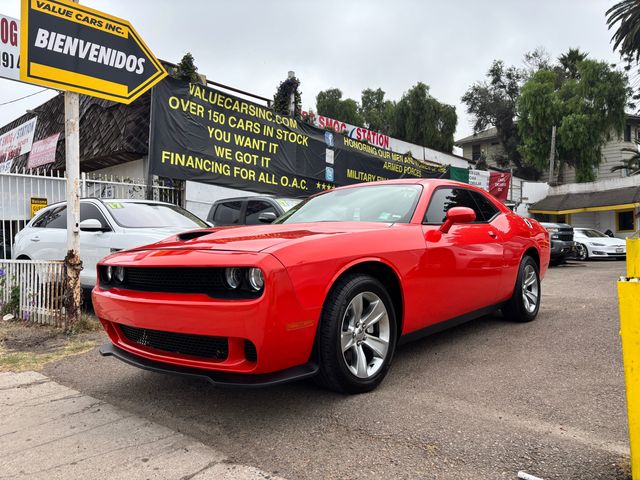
(292, 99)
(552, 157)
(72, 261)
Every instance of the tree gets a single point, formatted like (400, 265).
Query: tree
(329, 103)
(186, 70)
(627, 36)
(632, 164)
(493, 103)
(376, 112)
(282, 97)
(569, 61)
(419, 118)
(587, 111)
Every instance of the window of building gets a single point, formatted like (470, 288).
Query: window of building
(255, 208)
(625, 221)
(627, 133)
(476, 151)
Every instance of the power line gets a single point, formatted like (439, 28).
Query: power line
(22, 98)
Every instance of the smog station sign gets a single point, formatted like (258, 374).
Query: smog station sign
(72, 47)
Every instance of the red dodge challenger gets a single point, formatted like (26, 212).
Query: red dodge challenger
(327, 291)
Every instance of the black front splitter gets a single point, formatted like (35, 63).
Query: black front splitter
(222, 379)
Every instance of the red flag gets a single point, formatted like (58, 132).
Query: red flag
(499, 185)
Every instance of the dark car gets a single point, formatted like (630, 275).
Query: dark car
(562, 245)
(249, 210)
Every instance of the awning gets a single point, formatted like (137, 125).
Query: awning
(617, 199)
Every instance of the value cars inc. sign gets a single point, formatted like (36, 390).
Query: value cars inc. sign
(72, 47)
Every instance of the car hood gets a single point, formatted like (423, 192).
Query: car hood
(260, 237)
(608, 241)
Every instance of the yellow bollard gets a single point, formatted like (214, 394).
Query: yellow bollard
(629, 299)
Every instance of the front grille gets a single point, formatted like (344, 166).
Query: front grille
(177, 280)
(565, 237)
(216, 348)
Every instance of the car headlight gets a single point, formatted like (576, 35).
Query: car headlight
(233, 277)
(256, 279)
(108, 273)
(593, 244)
(555, 236)
(553, 229)
(119, 274)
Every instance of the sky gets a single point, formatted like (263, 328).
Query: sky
(350, 45)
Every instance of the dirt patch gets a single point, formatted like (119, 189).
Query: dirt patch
(29, 346)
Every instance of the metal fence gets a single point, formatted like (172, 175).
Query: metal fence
(19, 190)
(33, 290)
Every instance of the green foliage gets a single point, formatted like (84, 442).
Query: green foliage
(376, 112)
(626, 38)
(419, 118)
(330, 103)
(570, 60)
(632, 164)
(186, 70)
(493, 103)
(586, 110)
(282, 98)
(13, 305)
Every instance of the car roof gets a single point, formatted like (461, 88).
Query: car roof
(252, 197)
(115, 200)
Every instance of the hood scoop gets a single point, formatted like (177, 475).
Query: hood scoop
(193, 234)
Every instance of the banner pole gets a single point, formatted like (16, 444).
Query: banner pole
(72, 261)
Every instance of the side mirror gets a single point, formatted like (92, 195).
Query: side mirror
(457, 215)
(267, 217)
(91, 225)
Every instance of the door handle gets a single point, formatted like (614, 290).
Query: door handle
(35, 239)
(493, 234)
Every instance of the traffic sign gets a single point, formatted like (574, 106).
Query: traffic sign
(68, 46)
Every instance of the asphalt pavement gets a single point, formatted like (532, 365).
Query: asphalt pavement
(483, 400)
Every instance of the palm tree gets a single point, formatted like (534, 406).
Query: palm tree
(569, 61)
(631, 164)
(627, 36)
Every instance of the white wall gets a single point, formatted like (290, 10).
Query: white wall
(532, 192)
(133, 170)
(601, 221)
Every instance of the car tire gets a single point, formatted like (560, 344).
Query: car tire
(524, 304)
(352, 357)
(583, 252)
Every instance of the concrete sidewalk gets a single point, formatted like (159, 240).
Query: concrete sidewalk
(48, 431)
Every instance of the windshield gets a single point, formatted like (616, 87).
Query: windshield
(376, 203)
(152, 215)
(288, 203)
(591, 233)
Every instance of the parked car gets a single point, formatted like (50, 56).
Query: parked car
(325, 292)
(249, 210)
(591, 243)
(106, 226)
(562, 245)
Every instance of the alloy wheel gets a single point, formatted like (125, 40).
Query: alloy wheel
(530, 289)
(365, 334)
(582, 251)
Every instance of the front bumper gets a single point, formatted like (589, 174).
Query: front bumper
(280, 330)
(607, 251)
(223, 379)
(561, 248)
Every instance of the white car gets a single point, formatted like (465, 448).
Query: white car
(592, 243)
(106, 226)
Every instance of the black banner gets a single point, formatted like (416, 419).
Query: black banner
(202, 134)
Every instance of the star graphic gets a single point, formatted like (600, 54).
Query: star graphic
(318, 185)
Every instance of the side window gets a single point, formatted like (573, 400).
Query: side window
(57, 218)
(486, 209)
(445, 198)
(89, 210)
(228, 213)
(255, 208)
(42, 219)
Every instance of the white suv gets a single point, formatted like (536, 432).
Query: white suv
(106, 226)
